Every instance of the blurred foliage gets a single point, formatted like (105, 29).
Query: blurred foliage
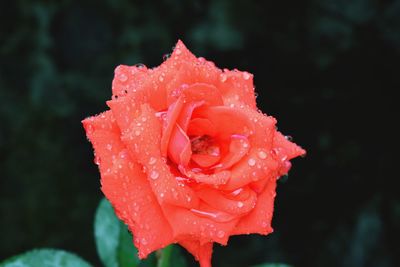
(325, 68)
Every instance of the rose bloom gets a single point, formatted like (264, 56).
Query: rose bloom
(186, 157)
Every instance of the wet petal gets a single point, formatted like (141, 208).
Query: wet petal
(172, 115)
(128, 79)
(201, 223)
(218, 178)
(179, 147)
(239, 205)
(237, 85)
(126, 186)
(203, 92)
(103, 133)
(288, 149)
(259, 219)
(201, 126)
(258, 164)
(191, 72)
(143, 141)
(205, 160)
(129, 191)
(186, 114)
(238, 147)
(202, 253)
(222, 117)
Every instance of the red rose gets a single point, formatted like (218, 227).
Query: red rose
(186, 157)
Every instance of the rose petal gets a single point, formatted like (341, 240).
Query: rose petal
(103, 133)
(259, 219)
(222, 117)
(203, 92)
(205, 160)
(149, 85)
(128, 79)
(187, 224)
(169, 124)
(200, 126)
(179, 148)
(191, 72)
(128, 189)
(142, 139)
(218, 178)
(186, 114)
(126, 186)
(257, 165)
(241, 204)
(238, 147)
(288, 149)
(202, 253)
(237, 86)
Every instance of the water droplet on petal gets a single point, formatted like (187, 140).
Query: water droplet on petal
(152, 160)
(137, 132)
(251, 162)
(161, 78)
(154, 175)
(143, 241)
(246, 75)
(262, 154)
(178, 51)
(221, 234)
(240, 204)
(223, 77)
(122, 77)
(109, 147)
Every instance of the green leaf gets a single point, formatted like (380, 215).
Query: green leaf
(272, 265)
(45, 258)
(113, 240)
(171, 256)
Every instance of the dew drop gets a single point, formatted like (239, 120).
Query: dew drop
(178, 51)
(246, 75)
(152, 160)
(240, 204)
(109, 147)
(223, 77)
(161, 78)
(122, 77)
(166, 56)
(262, 154)
(251, 162)
(289, 138)
(154, 175)
(143, 241)
(221, 234)
(144, 119)
(137, 132)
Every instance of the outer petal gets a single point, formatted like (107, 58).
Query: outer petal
(255, 166)
(259, 219)
(289, 149)
(142, 139)
(191, 72)
(203, 223)
(241, 204)
(202, 253)
(222, 117)
(237, 85)
(104, 134)
(149, 85)
(126, 186)
(128, 189)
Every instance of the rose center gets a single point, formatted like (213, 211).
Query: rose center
(204, 145)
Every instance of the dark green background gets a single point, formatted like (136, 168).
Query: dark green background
(325, 68)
